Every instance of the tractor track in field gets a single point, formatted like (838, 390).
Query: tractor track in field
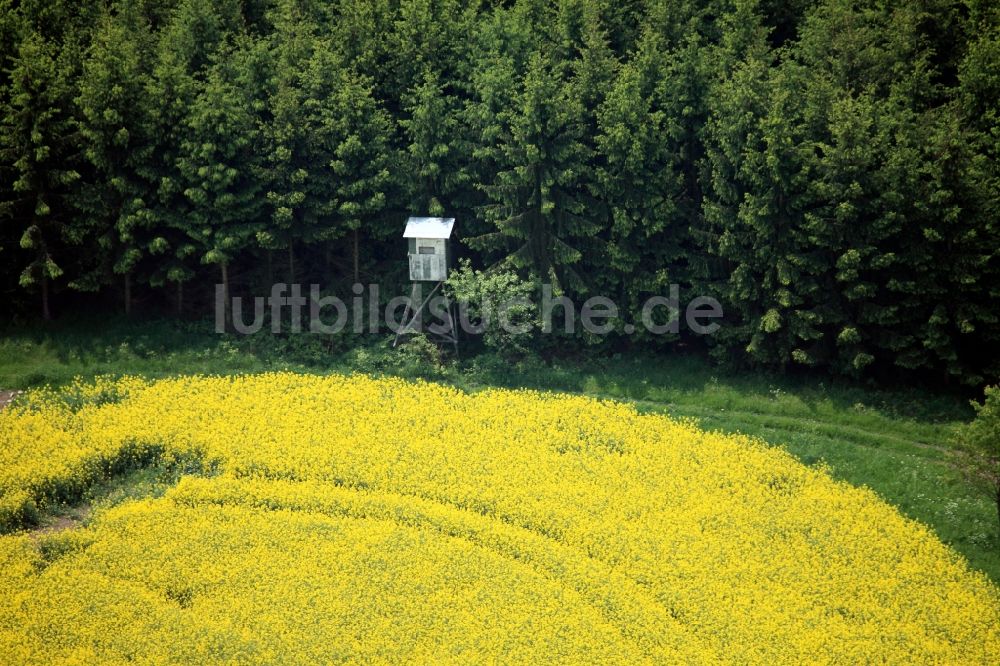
(819, 426)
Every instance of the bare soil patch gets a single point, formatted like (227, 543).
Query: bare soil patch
(6, 397)
(70, 518)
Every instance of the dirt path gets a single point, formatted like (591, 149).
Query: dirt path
(73, 518)
(6, 397)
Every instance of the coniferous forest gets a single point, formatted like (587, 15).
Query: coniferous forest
(827, 169)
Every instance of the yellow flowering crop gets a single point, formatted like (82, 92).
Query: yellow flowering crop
(351, 519)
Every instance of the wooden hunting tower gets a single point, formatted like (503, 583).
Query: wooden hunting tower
(429, 247)
(429, 251)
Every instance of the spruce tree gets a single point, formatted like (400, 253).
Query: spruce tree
(39, 139)
(436, 176)
(640, 180)
(746, 204)
(113, 102)
(355, 136)
(539, 202)
(292, 166)
(216, 162)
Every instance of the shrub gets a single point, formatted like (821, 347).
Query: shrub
(977, 447)
(418, 356)
(498, 303)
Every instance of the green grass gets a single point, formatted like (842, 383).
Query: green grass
(894, 441)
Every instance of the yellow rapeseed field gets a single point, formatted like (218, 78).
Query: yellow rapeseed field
(352, 519)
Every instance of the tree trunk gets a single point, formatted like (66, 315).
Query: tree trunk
(291, 263)
(46, 314)
(227, 310)
(180, 298)
(128, 294)
(357, 255)
(270, 269)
